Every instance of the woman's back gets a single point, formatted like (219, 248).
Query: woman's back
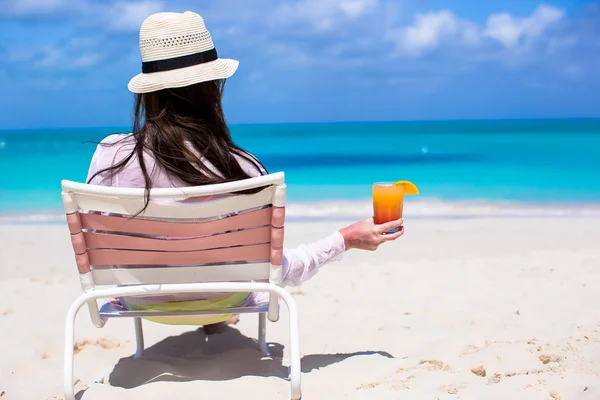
(115, 148)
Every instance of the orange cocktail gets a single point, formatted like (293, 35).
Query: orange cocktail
(388, 200)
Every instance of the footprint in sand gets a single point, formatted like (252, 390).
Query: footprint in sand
(432, 365)
(102, 342)
(496, 378)
(470, 349)
(403, 384)
(371, 385)
(428, 365)
(451, 389)
(479, 371)
(545, 359)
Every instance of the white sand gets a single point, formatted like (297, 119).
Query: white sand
(518, 298)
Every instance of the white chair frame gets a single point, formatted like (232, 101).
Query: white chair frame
(101, 198)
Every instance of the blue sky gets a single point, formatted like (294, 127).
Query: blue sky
(66, 63)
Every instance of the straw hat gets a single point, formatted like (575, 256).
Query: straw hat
(177, 51)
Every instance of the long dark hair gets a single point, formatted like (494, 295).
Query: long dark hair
(180, 127)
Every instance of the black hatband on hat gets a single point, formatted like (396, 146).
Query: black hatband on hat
(169, 64)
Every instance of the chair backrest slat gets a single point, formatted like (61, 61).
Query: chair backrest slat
(180, 237)
(251, 219)
(259, 252)
(95, 240)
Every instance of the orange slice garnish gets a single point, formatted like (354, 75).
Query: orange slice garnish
(409, 187)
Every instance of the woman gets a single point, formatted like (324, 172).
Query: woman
(180, 138)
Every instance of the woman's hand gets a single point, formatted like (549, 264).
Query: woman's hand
(365, 235)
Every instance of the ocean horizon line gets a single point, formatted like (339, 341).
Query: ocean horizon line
(328, 123)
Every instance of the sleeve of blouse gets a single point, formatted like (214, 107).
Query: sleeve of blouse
(303, 262)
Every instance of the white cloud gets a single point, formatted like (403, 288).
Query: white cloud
(432, 29)
(62, 8)
(289, 56)
(429, 30)
(19, 55)
(41, 57)
(504, 29)
(26, 7)
(511, 31)
(77, 53)
(129, 16)
(44, 84)
(50, 57)
(323, 14)
(469, 32)
(355, 8)
(87, 60)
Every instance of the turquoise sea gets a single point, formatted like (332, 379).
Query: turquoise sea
(329, 167)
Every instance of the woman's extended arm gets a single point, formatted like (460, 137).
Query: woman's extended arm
(303, 262)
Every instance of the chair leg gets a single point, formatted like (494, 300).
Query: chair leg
(69, 357)
(262, 334)
(273, 307)
(139, 338)
(69, 351)
(295, 362)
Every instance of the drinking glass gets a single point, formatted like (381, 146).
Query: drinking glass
(387, 202)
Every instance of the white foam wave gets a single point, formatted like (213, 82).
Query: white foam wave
(31, 218)
(428, 208)
(444, 209)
